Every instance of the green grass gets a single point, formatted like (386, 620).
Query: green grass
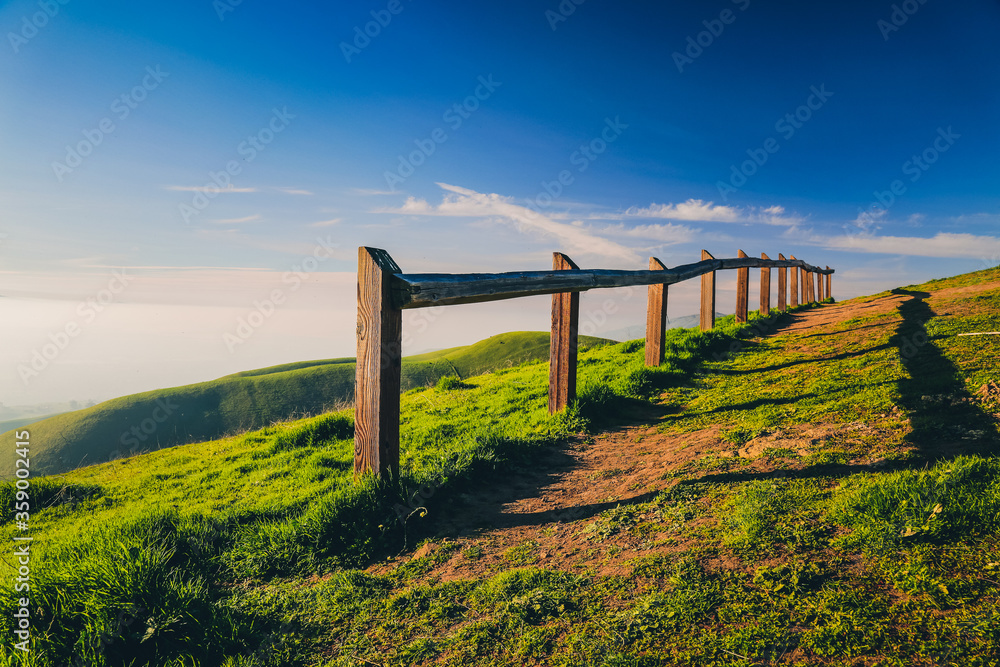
(876, 546)
(245, 401)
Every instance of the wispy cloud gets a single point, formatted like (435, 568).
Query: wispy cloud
(977, 219)
(326, 223)
(664, 233)
(370, 192)
(208, 189)
(698, 210)
(235, 221)
(293, 191)
(942, 244)
(464, 203)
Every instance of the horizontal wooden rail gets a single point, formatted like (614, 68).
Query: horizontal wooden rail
(422, 290)
(384, 291)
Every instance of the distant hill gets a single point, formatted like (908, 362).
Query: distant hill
(639, 330)
(244, 401)
(11, 424)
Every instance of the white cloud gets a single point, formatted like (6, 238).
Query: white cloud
(942, 244)
(234, 221)
(665, 233)
(465, 203)
(698, 210)
(326, 223)
(293, 191)
(691, 210)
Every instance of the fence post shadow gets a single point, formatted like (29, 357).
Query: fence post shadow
(945, 419)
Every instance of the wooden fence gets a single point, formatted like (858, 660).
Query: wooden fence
(384, 291)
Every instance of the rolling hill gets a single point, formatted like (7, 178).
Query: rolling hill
(244, 401)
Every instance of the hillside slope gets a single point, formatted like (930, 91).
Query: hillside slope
(820, 487)
(244, 401)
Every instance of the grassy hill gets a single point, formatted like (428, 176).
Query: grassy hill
(244, 401)
(815, 488)
(11, 424)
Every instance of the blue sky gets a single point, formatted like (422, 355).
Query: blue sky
(229, 159)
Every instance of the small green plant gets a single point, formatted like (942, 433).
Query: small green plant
(739, 436)
(789, 579)
(450, 383)
(525, 553)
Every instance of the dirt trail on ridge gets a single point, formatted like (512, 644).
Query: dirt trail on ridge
(551, 506)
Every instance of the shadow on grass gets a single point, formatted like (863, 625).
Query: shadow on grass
(946, 421)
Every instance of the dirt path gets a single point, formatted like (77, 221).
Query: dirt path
(548, 516)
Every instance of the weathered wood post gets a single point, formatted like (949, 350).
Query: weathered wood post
(803, 298)
(765, 287)
(742, 290)
(782, 285)
(794, 270)
(376, 391)
(562, 343)
(707, 296)
(656, 317)
(829, 283)
(807, 287)
(819, 287)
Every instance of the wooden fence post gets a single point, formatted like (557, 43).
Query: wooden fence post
(707, 296)
(794, 270)
(742, 291)
(807, 287)
(656, 317)
(782, 285)
(376, 392)
(562, 343)
(803, 298)
(765, 287)
(819, 287)
(829, 283)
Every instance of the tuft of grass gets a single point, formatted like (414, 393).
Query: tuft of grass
(450, 382)
(957, 499)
